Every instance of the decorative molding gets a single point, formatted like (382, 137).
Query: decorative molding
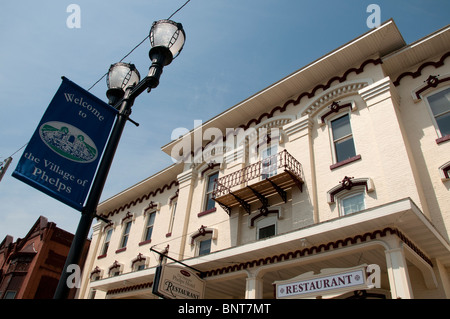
(319, 249)
(97, 271)
(335, 108)
(114, 266)
(294, 102)
(235, 155)
(433, 81)
(130, 288)
(334, 93)
(311, 94)
(298, 125)
(140, 258)
(376, 90)
(345, 162)
(418, 72)
(203, 231)
(141, 199)
(186, 176)
(153, 206)
(444, 171)
(129, 215)
(261, 213)
(210, 166)
(348, 183)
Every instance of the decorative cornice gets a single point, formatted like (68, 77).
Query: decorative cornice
(294, 102)
(153, 206)
(186, 176)
(418, 72)
(130, 288)
(141, 199)
(202, 231)
(335, 107)
(297, 126)
(319, 249)
(340, 90)
(373, 93)
(311, 94)
(431, 82)
(348, 183)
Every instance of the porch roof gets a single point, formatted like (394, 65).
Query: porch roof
(402, 215)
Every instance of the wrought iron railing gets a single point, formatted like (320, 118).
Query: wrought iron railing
(263, 169)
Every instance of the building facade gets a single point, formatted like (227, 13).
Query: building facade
(30, 267)
(343, 163)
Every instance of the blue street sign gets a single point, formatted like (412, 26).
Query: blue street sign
(63, 154)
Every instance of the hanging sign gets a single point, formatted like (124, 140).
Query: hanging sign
(174, 282)
(64, 151)
(329, 281)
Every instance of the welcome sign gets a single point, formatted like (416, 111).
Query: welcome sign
(64, 151)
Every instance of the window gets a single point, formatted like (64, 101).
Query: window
(149, 226)
(344, 147)
(126, 233)
(269, 162)
(10, 294)
(440, 107)
(107, 241)
(266, 227)
(115, 273)
(172, 217)
(204, 247)
(209, 202)
(140, 267)
(352, 203)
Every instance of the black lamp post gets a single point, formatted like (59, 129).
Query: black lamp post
(124, 86)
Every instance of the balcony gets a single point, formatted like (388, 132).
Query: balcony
(257, 182)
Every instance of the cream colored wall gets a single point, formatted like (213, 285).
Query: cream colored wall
(161, 227)
(392, 133)
(428, 155)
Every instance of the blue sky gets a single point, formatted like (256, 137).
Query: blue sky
(234, 48)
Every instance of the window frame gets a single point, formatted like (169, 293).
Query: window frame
(430, 110)
(334, 141)
(265, 222)
(350, 194)
(207, 193)
(271, 160)
(207, 238)
(147, 226)
(107, 241)
(173, 211)
(125, 234)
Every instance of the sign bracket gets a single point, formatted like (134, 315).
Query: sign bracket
(162, 255)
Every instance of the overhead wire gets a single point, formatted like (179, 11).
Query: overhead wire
(132, 50)
(104, 75)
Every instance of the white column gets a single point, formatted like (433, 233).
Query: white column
(398, 273)
(253, 286)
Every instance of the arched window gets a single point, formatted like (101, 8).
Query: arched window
(350, 194)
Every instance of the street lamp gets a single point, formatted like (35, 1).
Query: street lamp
(124, 86)
(121, 76)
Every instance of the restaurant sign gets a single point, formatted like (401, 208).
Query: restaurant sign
(329, 281)
(174, 282)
